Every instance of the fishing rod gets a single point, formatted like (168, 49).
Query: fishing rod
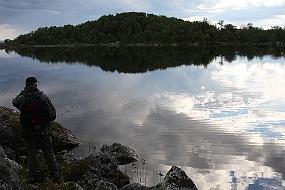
(66, 110)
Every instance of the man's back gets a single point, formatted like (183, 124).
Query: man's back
(36, 113)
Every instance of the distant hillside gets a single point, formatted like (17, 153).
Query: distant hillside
(141, 28)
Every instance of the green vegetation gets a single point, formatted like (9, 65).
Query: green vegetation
(136, 28)
(70, 172)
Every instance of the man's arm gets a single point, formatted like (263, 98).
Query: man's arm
(19, 100)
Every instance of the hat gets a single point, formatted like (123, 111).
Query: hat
(31, 80)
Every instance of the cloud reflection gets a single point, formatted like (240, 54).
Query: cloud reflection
(213, 122)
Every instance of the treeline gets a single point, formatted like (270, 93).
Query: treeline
(143, 59)
(134, 28)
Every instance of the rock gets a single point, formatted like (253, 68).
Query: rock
(2, 153)
(62, 137)
(89, 179)
(70, 157)
(135, 186)
(122, 154)
(12, 154)
(10, 135)
(176, 179)
(97, 184)
(103, 161)
(71, 185)
(101, 167)
(104, 185)
(34, 186)
(9, 179)
(11, 163)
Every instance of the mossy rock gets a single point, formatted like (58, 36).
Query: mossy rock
(62, 137)
(10, 134)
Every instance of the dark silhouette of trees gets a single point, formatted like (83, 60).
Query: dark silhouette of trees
(143, 59)
(134, 28)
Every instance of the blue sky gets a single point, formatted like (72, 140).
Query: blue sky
(22, 16)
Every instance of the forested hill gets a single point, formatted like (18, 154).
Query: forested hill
(142, 28)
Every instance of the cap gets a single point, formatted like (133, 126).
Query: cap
(31, 80)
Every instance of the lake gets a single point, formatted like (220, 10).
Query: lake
(219, 113)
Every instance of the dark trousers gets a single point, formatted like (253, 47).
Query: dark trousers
(44, 143)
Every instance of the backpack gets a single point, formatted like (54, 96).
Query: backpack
(35, 112)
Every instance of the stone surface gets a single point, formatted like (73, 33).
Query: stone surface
(62, 137)
(9, 179)
(104, 185)
(122, 154)
(70, 157)
(2, 153)
(102, 167)
(176, 179)
(10, 163)
(135, 186)
(71, 186)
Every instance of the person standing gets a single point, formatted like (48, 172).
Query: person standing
(36, 113)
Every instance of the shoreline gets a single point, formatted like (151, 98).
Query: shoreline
(98, 170)
(142, 44)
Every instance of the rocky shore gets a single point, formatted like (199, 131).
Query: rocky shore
(98, 171)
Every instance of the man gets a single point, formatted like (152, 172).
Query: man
(36, 112)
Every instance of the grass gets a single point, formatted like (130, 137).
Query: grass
(70, 172)
(46, 184)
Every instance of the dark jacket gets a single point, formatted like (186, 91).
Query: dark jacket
(19, 102)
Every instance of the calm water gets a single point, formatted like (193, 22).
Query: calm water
(218, 114)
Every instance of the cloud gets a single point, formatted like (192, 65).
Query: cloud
(195, 18)
(9, 31)
(27, 4)
(276, 20)
(213, 6)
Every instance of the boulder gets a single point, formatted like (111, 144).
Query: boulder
(104, 185)
(135, 186)
(71, 157)
(97, 184)
(71, 185)
(9, 179)
(122, 154)
(102, 167)
(2, 153)
(176, 179)
(9, 133)
(103, 161)
(11, 163)
(13, 144)
(62, 137)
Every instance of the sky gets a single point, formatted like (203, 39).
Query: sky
(22, 16)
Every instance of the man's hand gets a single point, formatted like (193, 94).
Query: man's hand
(21, 93)
(17, 101)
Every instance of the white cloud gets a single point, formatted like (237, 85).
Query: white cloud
(277, 20)
(222, 5)
(9, 32)
(195, 18)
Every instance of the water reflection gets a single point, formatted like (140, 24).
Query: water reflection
(223, 123)
(143, 59)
